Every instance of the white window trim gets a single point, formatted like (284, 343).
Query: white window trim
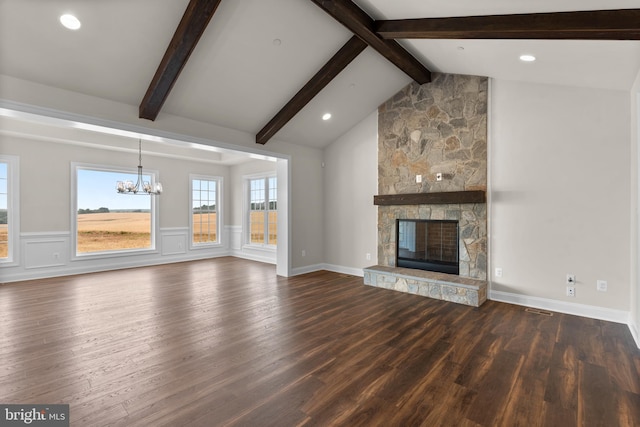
(155, 204)
(219, 211)
(13, 210)
(246, 227)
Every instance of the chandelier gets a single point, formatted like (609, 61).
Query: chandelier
(141, 187)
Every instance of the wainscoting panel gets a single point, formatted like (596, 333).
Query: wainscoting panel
(174, 241)
(234, 232)
(46, 255)
(45, 250)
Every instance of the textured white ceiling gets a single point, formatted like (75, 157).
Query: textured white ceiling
(238, 78)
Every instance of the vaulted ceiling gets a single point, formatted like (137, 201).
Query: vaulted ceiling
(254, 56)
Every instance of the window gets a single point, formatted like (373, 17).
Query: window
(9, 205)
(4, 206)
(263, 214)
(106, 221)
(205, 208)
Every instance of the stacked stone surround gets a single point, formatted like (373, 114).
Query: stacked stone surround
(472, 226)
(436, 128)
(439, 127)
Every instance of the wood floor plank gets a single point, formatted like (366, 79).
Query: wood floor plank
(492, 397)
(562, 382)
(525, 404)
(227, 342)
(620, 365)
(596, 397)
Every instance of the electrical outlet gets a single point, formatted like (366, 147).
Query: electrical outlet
(498, 272)
(571, 279)
(368, 257)
(418, 179)
(601, 285)
(438, 176)
(571, 291)
(304, 253)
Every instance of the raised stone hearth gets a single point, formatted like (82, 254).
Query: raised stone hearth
(446, 287)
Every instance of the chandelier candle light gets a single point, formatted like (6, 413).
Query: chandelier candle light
(141, 186)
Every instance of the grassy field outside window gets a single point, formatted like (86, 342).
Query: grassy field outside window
(100, 232)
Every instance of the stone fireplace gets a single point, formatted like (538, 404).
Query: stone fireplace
(432, 165)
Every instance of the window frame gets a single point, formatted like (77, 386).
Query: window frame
(154, 206)
(13, 210)
(219, 211)
(247, 210)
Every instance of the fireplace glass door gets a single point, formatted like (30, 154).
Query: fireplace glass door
(430, 245)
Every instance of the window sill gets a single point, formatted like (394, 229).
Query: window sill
(264, 248)
(201, 246)
(8, 262)
(113, 254)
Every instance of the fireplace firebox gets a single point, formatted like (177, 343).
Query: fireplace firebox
(427, 244)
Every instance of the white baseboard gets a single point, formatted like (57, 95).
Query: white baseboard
(344, 270)
(608, 314)
(73, 269)
(306, 269)
(329, 267)
(635, 333)
(253, 256)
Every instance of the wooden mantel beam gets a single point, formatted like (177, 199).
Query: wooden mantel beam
(194, 21)
(322, 78)
(437, 198)
(621, 24)
(360, 24)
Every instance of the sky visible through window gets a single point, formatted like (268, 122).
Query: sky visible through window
(97, 189)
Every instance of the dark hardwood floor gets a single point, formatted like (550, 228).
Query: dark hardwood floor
(227, 342)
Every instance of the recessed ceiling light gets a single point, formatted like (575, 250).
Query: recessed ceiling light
(277, 42)
(70, 22)
(527, 58)
(326, 116)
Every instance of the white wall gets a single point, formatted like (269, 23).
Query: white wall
(307, 216)
(350, 182)
(634, 321)
(306, 185)
(560, 185)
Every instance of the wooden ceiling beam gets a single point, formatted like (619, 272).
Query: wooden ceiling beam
(193, 23)
(328, 72)
(621, 24)
(360, 24)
